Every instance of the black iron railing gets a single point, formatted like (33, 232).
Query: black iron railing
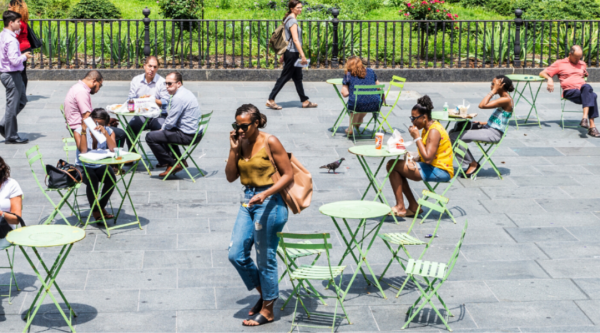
(229, 44)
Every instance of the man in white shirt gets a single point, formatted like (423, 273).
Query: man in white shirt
(147, 85)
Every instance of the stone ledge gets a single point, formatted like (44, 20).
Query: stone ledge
(311, 75)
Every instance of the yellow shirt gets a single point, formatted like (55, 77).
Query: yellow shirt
(256, 171)
(443, 156)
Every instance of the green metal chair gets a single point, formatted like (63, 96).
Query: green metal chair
(202, 126)
(294, 254)
(62, 111)
(404, 239)
(366, 90)
(6, 246)
(69, 145)
(398, 82)
(563, 102)
(434, 274)
(487, 152)
(312, 272)
(460, 149)
(33, 154)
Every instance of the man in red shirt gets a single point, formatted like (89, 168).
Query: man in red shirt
(571, 73)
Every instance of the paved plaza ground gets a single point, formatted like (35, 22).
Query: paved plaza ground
(530, 261)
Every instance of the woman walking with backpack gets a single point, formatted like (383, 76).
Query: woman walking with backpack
(293, 35)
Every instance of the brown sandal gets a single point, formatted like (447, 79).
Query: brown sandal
(310, 105)
(274, 106)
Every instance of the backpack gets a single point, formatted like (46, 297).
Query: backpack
(277, 42)
(298, 194)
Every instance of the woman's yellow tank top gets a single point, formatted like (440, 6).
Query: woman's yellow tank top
(444, 155)
(256, 171)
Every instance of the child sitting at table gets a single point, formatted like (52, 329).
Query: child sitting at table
(95, 172)
(433, 165)
(492, 130)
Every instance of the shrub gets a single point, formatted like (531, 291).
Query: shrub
(427, 10)
(95, 9)
(180, 9)
(50, 9)
(563, 9)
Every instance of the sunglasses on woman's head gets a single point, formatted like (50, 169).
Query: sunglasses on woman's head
(412, 119)
(243, 127)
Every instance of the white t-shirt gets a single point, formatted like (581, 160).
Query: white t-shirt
(10, 189)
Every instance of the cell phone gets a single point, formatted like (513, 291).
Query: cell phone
(236, 135)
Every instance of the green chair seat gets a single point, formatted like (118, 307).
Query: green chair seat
(299, 253)
(426, 268)
(317, 272)
(401, 238)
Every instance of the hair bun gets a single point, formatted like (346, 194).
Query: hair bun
(426, 102)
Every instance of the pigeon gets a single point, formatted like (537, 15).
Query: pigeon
(333, 165)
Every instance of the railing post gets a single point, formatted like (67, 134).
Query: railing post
(334, 52)
(518, 24)
(146, 21)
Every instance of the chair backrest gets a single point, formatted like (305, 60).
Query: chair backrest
(324, 245)
(33, 154)
(398, 82)
(365, 90)
(203, 124)
(62, 111)
(456, 252)
(433, 206)
(69, 145)
(460, 149)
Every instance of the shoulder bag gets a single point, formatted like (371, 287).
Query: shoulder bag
(63, 175)
(5, 228)
(34, 41)
(298, 194)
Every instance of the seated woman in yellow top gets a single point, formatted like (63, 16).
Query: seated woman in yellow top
(435, 158)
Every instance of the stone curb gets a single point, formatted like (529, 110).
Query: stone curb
(311, 75)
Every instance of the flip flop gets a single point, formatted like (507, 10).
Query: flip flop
(260, 319)
(394, 213)
(256, 308)
(310, 105)
(274, 106)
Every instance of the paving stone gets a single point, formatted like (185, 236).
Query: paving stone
(501, 270)
(571, 268)
(591, 309)
(502, 252)
(591, 287)
(132, 279)
(537, 151)
(526, 235)
(177, 299)
(528, 290)
(584, 233)
(575, 250)
(538, 314)
(390, 318)
(157, 321)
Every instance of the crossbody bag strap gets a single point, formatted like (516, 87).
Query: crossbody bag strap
(21, 222)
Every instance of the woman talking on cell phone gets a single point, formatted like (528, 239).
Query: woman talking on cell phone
(293, 34)
(265, 213)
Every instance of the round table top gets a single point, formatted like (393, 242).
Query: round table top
(525, 78)
(45, 235)
(443, 116)
(370, 151)
(355, 209)
(335, 81)
(132, 114)
(126, 158)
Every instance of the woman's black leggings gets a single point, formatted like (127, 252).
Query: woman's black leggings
(290, 72)
(95, 175)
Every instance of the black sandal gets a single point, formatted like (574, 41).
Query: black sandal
(260, 319)
(256, 308)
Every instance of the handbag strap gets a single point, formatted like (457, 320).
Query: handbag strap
(66, 173)
(21, 222)
(268, 150)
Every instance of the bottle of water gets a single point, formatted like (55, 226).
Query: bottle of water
(446, 109)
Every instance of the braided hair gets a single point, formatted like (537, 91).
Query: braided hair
(4, 171)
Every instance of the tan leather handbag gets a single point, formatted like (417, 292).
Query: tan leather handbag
(298, 194)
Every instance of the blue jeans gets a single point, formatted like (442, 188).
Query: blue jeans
(258, 224)
(432, 174)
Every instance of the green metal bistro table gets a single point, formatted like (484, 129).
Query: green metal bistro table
(361, 210)
(335, 83)
(527, 80)
(135, 139)
(369, 151)
(128, 157)
(443, 116)
(47, 236)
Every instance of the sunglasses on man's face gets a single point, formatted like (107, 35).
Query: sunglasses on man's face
(243, 127)
(412, 119)
(169, 83)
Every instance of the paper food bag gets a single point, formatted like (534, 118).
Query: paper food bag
(396, 143)
(143, 105)
(463, 109)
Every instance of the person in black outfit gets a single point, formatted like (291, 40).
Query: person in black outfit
(289, 58)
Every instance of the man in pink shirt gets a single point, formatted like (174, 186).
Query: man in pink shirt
(11, 66)
(78, 103)
(571, 73)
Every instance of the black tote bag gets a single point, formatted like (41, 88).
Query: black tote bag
(34, 41)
